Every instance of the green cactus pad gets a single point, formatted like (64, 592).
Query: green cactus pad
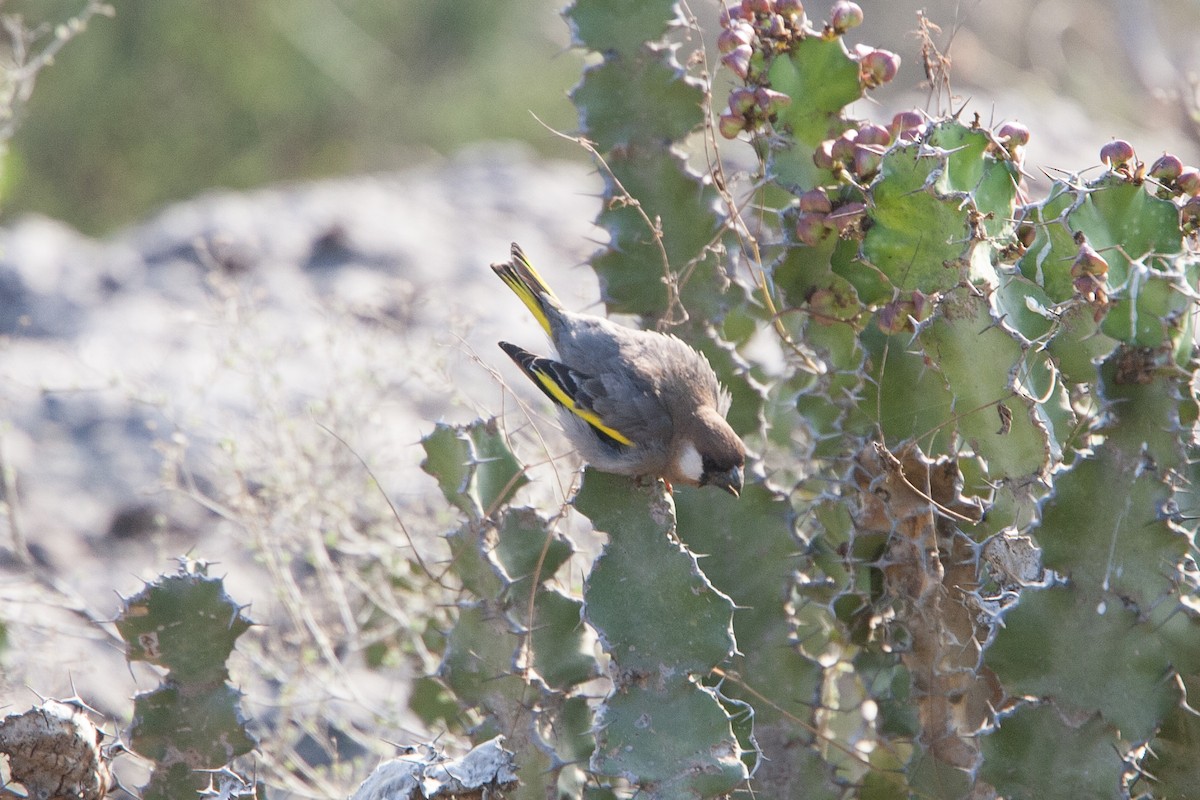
(638, 102)
(1041, 754)
(473, 465)
(632, 273)
(821, 78)
(185, 623)
(528, 549)
(480, 660)
(1087, 657)
(901, 373)
(185, 728)
(988, 181)
(753, 536)
(1171, 767)
(657, 727)
(1078, 346)
(562, 650)
(469, 564)
(643, 578)
(621, 26)
(203, 728)
(981, 362)
(673, 741)
(917, 237)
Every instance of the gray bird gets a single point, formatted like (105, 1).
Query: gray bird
(632, 402)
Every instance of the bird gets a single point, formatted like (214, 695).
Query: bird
(632, 402)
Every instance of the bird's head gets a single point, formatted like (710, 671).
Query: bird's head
(711, 454)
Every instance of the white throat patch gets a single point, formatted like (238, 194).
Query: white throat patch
(691, 466)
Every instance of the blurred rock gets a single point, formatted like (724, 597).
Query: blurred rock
(148, 377)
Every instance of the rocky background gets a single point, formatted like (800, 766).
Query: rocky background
(217, 379)
(187, 385)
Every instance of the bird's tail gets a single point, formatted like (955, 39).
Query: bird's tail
(523, 279)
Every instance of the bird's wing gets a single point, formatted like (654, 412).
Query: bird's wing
(569, 389)
(628, 403)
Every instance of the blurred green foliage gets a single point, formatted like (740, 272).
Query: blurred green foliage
(170, 97)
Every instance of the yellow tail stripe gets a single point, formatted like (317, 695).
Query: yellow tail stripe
(566, 401)
(528, 296)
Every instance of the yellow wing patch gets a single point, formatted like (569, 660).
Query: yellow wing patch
(552, 387)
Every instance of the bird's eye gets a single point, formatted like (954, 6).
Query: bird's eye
(711, 466)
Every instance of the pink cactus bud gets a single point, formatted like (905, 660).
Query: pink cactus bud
(731, 37)
(752, 7)
(1166, 169)
(847, 217)
(815, 201)
(1013, 134)
(1088, 261)
(1116, 153)
(1190, 213)
(1091, 288)
(1189, 181)
(823, 155)
(770, 101)
(741, 101)
(845, 15)
(812, 229)
(843, 146)
(730, 125)
(789, 8)
(894, 317)
(877, 67)
(922, 305)
(866, 160)
(907, 125)
(775, 27)
(738, 60)
(873, 134)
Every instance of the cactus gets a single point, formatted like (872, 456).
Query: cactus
(642, 577)
(191, 725)
(517, 654)
(965, 567)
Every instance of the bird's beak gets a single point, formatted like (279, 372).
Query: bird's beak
(730, 481)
